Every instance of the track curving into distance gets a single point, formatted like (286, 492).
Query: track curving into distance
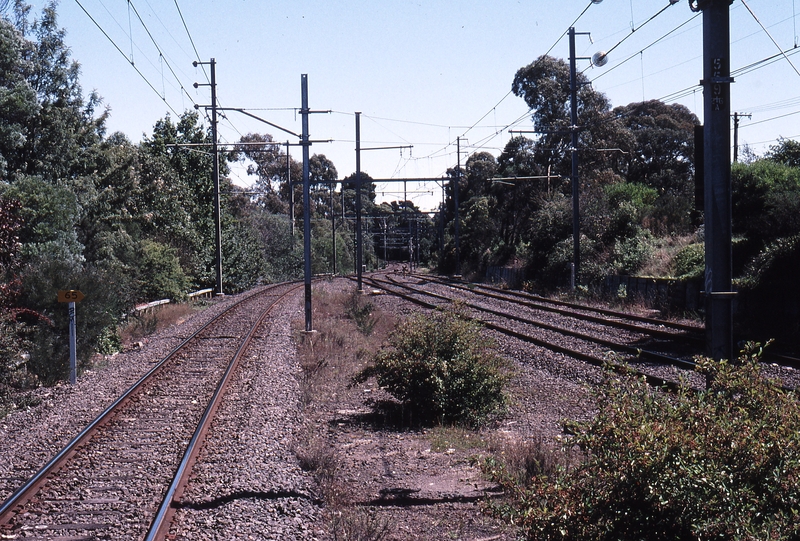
(117, 478)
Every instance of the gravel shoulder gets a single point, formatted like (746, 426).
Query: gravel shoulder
(421, 483)
(308, 455)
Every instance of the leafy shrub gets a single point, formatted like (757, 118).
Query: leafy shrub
(360, 312)
(108, 297)
(442, 368)
(690, 261)
(631, 253)
(768, 292)
(162, 275)
(723, 463)
(640, 195)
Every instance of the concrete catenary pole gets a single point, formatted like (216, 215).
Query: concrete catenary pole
(716, 97)
(304, 111)
(359, 240)
(576, 217)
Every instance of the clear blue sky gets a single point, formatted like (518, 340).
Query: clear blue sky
(421, 72)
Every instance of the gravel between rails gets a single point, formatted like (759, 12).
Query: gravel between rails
(28, 439)
(261, 494)
(247, 483)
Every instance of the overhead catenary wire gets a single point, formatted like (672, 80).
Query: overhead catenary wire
(130, 61)
(771, 38)
(451, 143)
(191, 40)
(643, 49)
(158, 48)
(129, 34)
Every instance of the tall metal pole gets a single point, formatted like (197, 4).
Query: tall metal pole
(291, 190)
(716, 96)
(573, 92)
(736, 117)
(455, 201)
(215, 155)
(333, 229)
(359, 240)
(304, 111)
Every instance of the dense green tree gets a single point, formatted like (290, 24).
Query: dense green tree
(18, 103)
(766, 201)
(272, 168)
(108, 297)
(50, 215)
(368, 194)
(10, 225)
(161, 275)
(193, 173)
(786, 151)
(517, 198)
(658, 146)
(282, 253)
(65, 123)
(321, 174)
(657, 150)
(544, 85)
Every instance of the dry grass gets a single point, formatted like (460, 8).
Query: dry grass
(444, 438)
(660, 264)
(338, 347)
(358, 524)
(524, 459)
(347, 329)
(142, 325)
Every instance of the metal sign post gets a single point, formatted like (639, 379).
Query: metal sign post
(73, 358)
(72, 296)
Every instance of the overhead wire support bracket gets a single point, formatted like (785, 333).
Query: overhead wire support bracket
(251, 115)
(388, 148)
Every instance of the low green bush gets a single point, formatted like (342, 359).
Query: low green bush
(723, 463)
(690, 261)
(442, 368)
(360, 312)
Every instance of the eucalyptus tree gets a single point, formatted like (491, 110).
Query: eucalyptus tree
(545, 87)
(785, 151)
(184, 146)
(52, 137)
(18, 102)
(268, 161)
(656, 149)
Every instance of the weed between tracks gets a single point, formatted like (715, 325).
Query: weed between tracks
(347, 330)
(382, 478)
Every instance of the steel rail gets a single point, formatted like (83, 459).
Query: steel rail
(632, 350)
(655, 381)
(28, 489)
(605, 311)
(159, 528)
(542, 305)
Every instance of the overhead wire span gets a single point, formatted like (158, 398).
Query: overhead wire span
(744, 3)
(158, 48)
(545, 54)
(643, 49)
(194, 47)
(582, 13)
(769, 119)
(678, 94)
(662, 10)
(130, 61)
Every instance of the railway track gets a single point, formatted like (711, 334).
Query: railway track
(659, 351)
(122, 477)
